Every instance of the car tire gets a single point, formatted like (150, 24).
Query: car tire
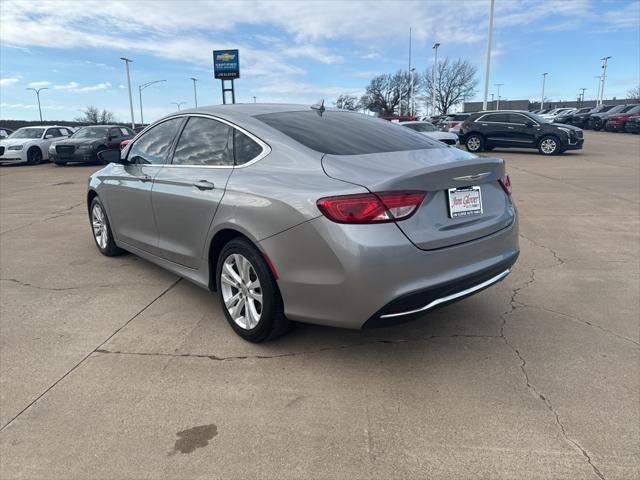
(60, 164)
(597, 125)
(549, 145)
(248, 293)
(474, 143)
(101, 229)
(34, 156)
(98, 150)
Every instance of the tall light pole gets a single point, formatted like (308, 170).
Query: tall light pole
(37, 90)
(488, 60)
(195, 93)
(498, 85)
(492, 102)
(140, 88)
(177, 104)
(126, 63)
(413, 99)
(599, 77)
(604, 76)
(582, 96)
(544, 78)
(433, 78)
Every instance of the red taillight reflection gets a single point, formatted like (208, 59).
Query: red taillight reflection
(505, 183)
(371, 208)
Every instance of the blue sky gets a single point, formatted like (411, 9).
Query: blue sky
(299, 52)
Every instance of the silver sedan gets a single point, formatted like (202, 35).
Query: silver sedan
(308, 214)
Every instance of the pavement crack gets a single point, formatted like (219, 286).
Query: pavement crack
(56, 214)
(289, 354)
(53, 289)
(48, 389)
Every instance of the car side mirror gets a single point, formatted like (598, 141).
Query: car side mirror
(529, 124)
(110, 156)
(48, 136)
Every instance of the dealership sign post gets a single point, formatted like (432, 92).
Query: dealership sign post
(226, 67)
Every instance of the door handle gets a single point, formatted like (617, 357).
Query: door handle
(145, 178)
(510, 128)
(204, 185)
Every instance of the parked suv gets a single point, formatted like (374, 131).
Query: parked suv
(84, 145)
(567, 117)
(582, 119)
(509, 128)
(453, 122)
(30, 144)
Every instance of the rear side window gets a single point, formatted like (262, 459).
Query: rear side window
(342, 133)
(54, 131)
(244, 148)
(154, 145)
(204, 141)
(495, 117)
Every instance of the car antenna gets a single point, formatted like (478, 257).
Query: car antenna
(319, 107)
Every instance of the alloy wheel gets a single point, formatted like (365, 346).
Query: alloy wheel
(241, 291)
(100, 231)
(548, 146)
(473, 143)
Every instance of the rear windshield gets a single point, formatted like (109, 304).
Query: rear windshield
(342, 133)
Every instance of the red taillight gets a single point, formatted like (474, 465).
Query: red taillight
(371, 207)
(505, 183)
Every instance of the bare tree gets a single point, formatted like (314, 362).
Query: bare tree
(389, 94)
(94, 116)
(455, 82)
(634, 93)
(346, 102)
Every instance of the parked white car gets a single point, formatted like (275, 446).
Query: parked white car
(551, 115)
(429, 130)
(31, 144)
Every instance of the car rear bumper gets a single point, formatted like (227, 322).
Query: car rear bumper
(349, 275)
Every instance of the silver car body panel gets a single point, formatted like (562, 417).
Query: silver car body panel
(328, 273)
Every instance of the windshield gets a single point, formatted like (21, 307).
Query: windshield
(421, 127)
(27, 133)
(628, 108)
(341, 133)
(91, 132)
(538, 118)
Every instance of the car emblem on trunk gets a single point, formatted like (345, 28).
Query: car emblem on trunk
(472, 177)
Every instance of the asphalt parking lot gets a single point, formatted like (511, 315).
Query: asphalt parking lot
(114, 368)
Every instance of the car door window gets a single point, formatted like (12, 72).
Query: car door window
(517, 118)
(204, 142)
(495, 118)
(53, 131)
(125, 132)
(153, 147)
(244, 148)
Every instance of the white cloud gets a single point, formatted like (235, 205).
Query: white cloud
(42, 84)
(5, 82)
(75, 87)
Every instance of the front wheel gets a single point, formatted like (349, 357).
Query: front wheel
(102, 230)
(549, 145)
(34, 156)
(474, 143)
(248, 293)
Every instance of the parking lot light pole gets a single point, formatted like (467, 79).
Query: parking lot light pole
(195, 92)
(127, 62)
(37, 90)
(140, 88)
(177, 104)
(488, 60)
(582, 96)
(498, 85)
(604, 76)
(544, 78)
(413, 100)
(433, 78)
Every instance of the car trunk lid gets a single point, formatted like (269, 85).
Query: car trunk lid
(434, 171)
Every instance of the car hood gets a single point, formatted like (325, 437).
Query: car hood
(7, 142)
(79, 141)
(568, 127)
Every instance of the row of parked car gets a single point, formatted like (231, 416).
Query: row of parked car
(60, 144)
(612, 118)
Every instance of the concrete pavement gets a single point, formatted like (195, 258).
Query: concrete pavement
(114, 368)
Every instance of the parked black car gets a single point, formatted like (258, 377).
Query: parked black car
(632, 125)
(567, 117)
(582, 120)
(597, 121)
(84, 145)
(509, 128)
(5, 132)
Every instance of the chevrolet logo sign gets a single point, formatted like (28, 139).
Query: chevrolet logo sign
(225, 57)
